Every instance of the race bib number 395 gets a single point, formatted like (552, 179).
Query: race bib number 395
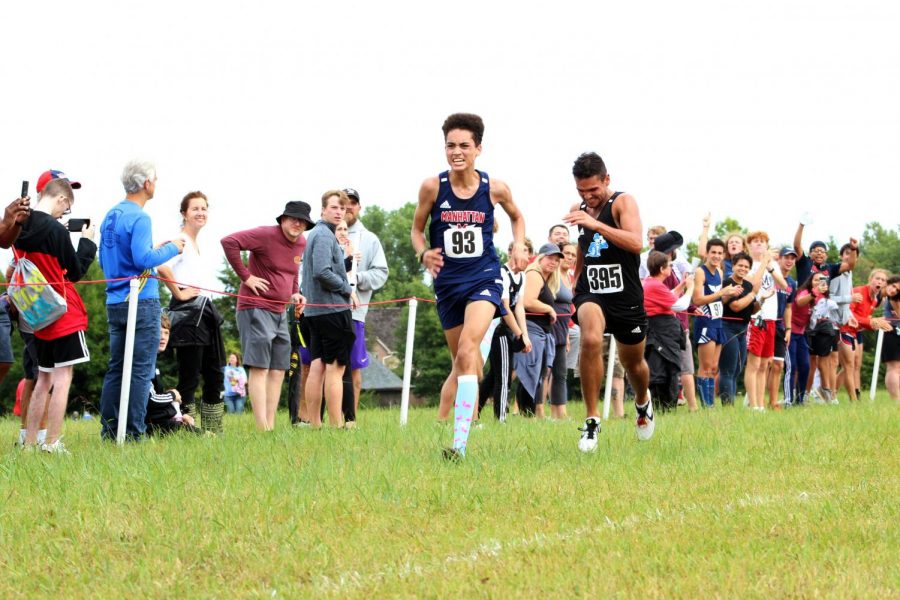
(604, 279)
(463, 243)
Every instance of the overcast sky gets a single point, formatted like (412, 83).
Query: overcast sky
(759, 111)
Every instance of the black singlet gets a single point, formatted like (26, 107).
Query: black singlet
(609, 272)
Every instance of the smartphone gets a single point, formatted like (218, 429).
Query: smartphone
(24, 193)
(76, 225)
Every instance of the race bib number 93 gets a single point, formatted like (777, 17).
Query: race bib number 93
(604, 279)
(463, 243)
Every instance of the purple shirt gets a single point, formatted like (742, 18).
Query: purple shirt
(272, 257)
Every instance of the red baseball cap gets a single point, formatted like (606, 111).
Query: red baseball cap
(46, 176)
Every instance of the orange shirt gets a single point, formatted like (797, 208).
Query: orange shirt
(862, 310)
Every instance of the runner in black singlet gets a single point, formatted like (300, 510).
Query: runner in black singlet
(608, 295)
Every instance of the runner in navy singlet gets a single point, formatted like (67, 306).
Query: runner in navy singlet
(709, 333)
(608, 295)
(460, 256)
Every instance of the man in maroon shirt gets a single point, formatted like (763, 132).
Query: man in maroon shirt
(268, 283)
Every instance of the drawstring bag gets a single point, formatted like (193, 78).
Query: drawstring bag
(38, 303)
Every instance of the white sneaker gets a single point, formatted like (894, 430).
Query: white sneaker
(56, 447)
(645, 424)
(589, 433)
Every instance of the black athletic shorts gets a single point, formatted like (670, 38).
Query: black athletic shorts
(64, 351)
(627, 324)
(890, 350)
(780, 345)
(822, 342)
(332, 337)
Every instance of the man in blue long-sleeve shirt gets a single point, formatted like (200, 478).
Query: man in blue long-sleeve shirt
(126, 251)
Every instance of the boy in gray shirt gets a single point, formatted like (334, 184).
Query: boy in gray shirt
(329, 298)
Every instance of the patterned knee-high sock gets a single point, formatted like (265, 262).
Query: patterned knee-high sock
(464, 409)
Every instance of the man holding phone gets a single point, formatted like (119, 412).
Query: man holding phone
(29, 351)
(60, 345)
(13, 217)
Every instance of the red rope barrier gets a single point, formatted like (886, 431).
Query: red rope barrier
(287, 302)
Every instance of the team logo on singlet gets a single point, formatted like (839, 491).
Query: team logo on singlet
(597, 246)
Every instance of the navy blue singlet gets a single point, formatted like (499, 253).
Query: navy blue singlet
(464, 231)
(712, 284)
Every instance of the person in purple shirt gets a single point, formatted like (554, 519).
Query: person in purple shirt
(269, 281)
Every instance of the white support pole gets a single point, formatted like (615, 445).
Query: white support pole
(610, 363)
(133, 294)
(877, 366)
(407, 361)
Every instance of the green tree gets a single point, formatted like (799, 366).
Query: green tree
(726, 227)
(880, 248)
(721, 230)
(431, 360)
(392, 228)
(227, 306)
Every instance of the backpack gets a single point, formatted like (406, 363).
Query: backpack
(38, 303)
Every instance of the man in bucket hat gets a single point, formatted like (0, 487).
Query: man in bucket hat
(269, 282)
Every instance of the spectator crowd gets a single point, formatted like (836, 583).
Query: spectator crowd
(783, 323)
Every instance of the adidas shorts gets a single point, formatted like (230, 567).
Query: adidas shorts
(708, 330)
(780, 345)
(452, 299)
(62, 352)
(627, 325)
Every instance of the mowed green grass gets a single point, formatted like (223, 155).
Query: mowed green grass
(722, 503)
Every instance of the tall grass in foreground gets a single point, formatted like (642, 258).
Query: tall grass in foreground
(721, 503)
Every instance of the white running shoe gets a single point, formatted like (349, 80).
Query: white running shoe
(645, 424)
(589, 433)
(56, 447)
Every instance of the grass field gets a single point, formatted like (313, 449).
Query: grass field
(721, 503)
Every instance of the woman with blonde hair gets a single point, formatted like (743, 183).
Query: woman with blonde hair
(542, 283)
(555, 387)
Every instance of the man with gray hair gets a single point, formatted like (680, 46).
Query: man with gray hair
(127, 251)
